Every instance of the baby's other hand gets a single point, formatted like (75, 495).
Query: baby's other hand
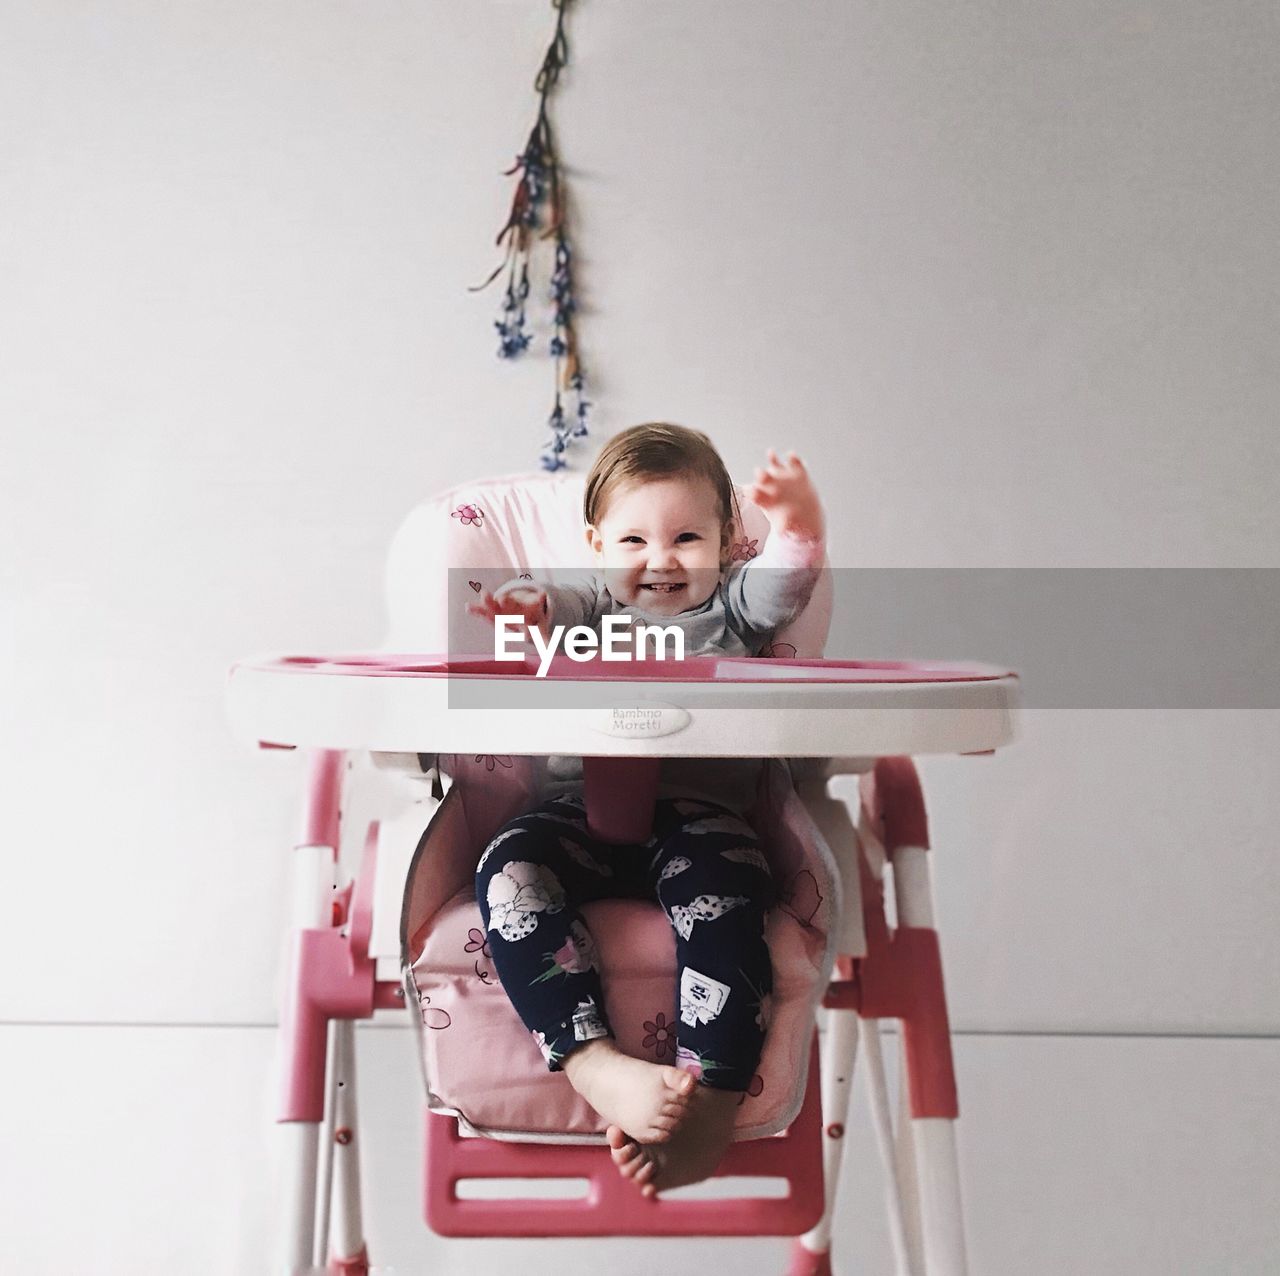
(784, 490)
(526, 601)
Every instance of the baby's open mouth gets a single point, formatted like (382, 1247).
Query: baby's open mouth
(664, 587)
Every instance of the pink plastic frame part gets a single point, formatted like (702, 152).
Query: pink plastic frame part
(331, 976)
(324, 784)
(612, 1205)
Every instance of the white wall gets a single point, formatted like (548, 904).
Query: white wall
(1007, 273)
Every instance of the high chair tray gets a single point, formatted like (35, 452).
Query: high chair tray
(711, 706)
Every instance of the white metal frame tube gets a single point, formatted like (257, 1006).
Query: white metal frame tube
(942, 1215)
(346, 1229)
(912, 889)
(899, 1184)
(839, 1055)
(298, 1142)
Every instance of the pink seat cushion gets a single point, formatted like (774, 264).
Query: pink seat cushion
(479, 1061)
(485, 1066)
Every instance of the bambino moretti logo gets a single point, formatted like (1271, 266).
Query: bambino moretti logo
(618, 640)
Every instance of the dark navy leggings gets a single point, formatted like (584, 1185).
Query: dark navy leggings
(703, 865)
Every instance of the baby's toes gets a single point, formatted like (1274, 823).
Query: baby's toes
(626, 1156)
(633, 1162)
(621, 1146)
(678, 1080)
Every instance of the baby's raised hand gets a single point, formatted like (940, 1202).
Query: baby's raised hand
(784, 490)
(527, 601)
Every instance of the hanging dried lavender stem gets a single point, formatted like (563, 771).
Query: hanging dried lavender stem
(541, 187)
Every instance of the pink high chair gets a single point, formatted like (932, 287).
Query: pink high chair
(409, 779)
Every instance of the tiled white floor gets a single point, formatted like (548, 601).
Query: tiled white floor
(132, 1149)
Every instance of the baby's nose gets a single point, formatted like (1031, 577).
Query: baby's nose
(662, 559)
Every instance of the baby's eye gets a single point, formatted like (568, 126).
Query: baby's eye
(632, 540)
(688, 536)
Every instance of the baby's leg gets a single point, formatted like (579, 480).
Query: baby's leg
(527, 884)
(714, 884)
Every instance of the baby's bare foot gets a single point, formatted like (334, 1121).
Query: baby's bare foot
(636, 1161)
(694, 1151)
(647, 1100)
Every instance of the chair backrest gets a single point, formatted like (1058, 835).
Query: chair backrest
(493, 529)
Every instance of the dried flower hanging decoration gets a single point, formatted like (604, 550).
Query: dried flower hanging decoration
(538, 212)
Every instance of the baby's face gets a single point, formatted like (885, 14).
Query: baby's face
(660, 544)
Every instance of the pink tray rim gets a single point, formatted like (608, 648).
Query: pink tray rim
(694, 669)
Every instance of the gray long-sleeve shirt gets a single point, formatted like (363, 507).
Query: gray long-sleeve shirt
(752, 602)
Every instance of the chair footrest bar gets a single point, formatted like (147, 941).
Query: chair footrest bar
(613, 1206)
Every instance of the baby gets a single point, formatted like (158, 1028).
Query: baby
(660, 518)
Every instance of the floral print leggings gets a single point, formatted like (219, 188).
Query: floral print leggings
(704, 866)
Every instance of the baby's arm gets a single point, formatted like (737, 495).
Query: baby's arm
(515, 598)
(789, 499)
(541, 606)
(770, 590)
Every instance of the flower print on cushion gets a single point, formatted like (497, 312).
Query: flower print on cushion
(477, 943)
(706, 908)
(471, 515)
(802, 898)
(702, 998)
(433, 1016)
(518, 894)
(659, 1036)
(576, 955)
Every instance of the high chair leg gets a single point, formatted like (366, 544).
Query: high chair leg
(299, 1167)
(942, 1221)
(902, 1198)
(346, 1227)
(901, 977)
(811, 1253)
(298, 1149)
(929, 1076)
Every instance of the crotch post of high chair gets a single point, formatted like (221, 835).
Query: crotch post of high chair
(620, 795)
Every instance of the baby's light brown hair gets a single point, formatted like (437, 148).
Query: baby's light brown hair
(654, 451)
